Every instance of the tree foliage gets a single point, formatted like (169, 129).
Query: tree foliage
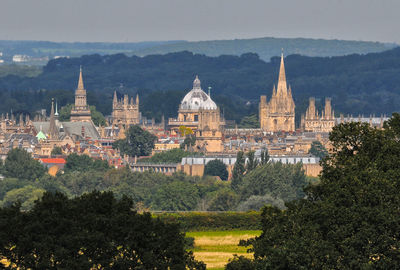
(56, 151)
(138, 142)
(283, 181)
(20, 164)
(92, 231)
(84, 163)
(358, 84)
(188, 142)
(250, 121)
(318, 150)
(216, 168)
(97, 117)
(350, 219)
(238, 171)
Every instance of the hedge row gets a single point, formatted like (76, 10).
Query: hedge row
(205, 221)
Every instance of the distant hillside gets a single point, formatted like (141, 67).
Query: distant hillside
(358, 84)
(39, 52)
(268, 47)
(73, 49)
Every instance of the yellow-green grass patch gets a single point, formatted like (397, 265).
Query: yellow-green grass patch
(215, 248)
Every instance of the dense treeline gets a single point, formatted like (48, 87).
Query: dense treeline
(206, 221)
(350, 220)
(93, 231)
(357, 83)
(26, 180)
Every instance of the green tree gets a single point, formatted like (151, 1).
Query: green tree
(350, 219)
(318, 150)
(250, 121)
(26, 195)
(65, 113)
(20, 164)
(252, 161)
(264, 156)
(97, 117)
(224, 200)
(283, 181)
(238, 171)
(138, 142)
(92, 231)
(176, 196)
(216, 168)
(82, 163)
(56, 151)
(188, 142)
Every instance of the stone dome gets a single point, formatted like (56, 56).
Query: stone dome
(197, 99)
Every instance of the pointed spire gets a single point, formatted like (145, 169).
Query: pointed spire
(115, 100)
(282, 87)
(137, 99)
(274, 91)
(53, 132)
(80, 81)
(282, 74)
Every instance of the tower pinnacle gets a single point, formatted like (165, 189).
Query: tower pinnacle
(53, 132)
(282, 87)
(80, 81)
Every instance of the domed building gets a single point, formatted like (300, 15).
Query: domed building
(199, 112)
(196, 106)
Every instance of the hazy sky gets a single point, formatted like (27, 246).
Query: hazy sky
(144, 20)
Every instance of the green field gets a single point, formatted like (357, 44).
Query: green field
(215, 248)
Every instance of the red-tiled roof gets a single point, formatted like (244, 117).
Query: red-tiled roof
(53, 160)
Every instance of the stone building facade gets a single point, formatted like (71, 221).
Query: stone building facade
(278, 114)
(315, 122)
(125, 112)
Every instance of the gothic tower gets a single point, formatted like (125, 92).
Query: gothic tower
(278, 113)
(80, 111)
(313, 122)
(125, 112)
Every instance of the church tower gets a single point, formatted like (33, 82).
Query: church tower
(313, 122)
(80, 111)
(125, 111)
(278, 114)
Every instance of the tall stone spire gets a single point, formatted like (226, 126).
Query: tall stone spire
(53, 131)
(137, 99)
(115, 100)
(282, 87)
(81, 111)
(80, 81)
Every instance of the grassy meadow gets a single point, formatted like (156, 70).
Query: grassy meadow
(215, 248)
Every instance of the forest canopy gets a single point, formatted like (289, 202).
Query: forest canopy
(358, 84)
